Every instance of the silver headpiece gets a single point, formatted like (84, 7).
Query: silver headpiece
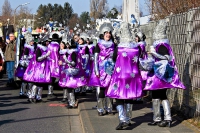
(64, 39)
(55, 32)
(29, 38)
(160, 30)
(84, 36)
(105, 27)
(124, 33)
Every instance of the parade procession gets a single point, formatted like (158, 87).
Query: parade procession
(104, 71)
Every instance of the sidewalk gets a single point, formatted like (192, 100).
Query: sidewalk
(92, 123)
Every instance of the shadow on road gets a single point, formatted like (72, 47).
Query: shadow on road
(41, 118)
(9, 111)
(5, 122)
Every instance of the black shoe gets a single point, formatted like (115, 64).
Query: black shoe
(165, 123)
(121, 125)
(109, 113)
(100, 113)
(22, 96)
(95, 107)
(64, 100)
(154, 123)
(31, 100)
(8, 84)
(12, 83)
(129, 123)
(71, 107)
(39, 101)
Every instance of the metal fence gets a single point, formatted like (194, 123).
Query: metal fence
(183, 32)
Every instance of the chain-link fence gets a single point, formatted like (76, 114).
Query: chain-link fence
(183, 32)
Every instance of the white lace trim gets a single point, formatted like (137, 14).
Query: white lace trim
(142, 43)
(91, 45)
(29, 46)
(71, 51)
(63, 51)
(83, 45)
(42, 47)
(157, 42)
(107, 44)
(55, 43)
(127, 45)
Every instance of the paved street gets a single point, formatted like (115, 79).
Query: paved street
(19, 116)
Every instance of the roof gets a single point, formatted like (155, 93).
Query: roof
(145, 20)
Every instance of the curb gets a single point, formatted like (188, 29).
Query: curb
(188, 124)
(84, 117)
(88, 128)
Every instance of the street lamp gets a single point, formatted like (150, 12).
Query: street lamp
(18, 7)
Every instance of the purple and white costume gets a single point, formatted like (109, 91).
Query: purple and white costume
(29, 73)
(91, 63)
(71, 76)
(62, 67)
(38, 72)
(24, 61)
(158, 80)
(62, 76)
(83, 55)
(42, 73)
(103, 66)
(126, 81)
(163, 76)
(53, 48)
(27, 55)
(142, 46)
(104, 58)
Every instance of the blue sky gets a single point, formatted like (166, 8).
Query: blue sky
(78, 5)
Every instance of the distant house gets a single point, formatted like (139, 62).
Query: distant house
(144, 20)
(27, 22)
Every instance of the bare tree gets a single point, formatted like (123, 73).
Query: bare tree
(98, 8)
(23, 15)
(6, 8)
(6, 12)
(162, 8)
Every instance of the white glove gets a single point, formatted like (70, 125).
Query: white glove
(22, 62)
(152, 49)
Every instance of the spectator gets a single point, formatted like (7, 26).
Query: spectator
(76, 38)
(10, 58)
